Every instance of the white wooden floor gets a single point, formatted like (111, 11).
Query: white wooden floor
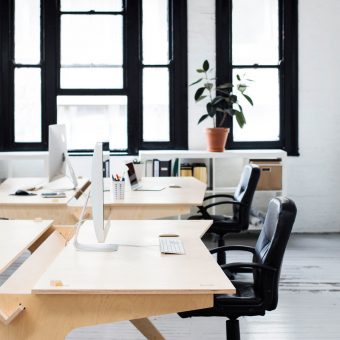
(309, 301)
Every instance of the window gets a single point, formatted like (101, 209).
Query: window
(258, 38)
(112, 70)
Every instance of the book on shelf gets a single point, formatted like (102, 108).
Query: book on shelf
(161, 168)
(199, 171)
(186, 170)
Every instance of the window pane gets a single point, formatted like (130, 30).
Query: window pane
(91, 78)
(155, 32)
(89, 44)
(88, 5)
(27, 105)
(255, 32)
(27, 31)
(156, 104)
(91, 119)
(263, 119)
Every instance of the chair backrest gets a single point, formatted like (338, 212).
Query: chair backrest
(270, 248)
(244, 194)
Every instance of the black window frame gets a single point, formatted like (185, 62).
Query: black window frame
(50, 62)
(288, 73)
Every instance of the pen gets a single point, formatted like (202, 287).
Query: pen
(116, 178)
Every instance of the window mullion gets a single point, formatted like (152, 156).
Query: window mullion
(6, 77)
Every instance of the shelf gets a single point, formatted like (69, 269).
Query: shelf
(212, 158)
(187, 154)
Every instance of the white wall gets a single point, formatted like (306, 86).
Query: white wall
(312, 177)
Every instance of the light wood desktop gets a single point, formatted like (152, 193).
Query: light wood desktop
(179, 195)
(86, 288)
(31, 207)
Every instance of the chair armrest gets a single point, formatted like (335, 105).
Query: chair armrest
(203, 208)
(245, 265)
(204, 212)
(222, 202)
(236, 247)
(218, 196)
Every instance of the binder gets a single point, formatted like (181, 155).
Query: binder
(200, 172)
(175, 167)
(165, 168)
(186, 170)
(161, 168)
(155, 168)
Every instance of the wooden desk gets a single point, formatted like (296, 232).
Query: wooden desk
(141, 205)
(31, 207)
(16, 237)
(132, 284)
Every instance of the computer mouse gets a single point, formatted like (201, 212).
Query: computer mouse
(20, 192)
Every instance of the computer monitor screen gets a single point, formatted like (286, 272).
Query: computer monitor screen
(97, 193)
(57, 154)
(97, 197)
(57, 149)
(132, 175)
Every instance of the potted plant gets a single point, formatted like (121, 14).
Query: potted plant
(222, 101)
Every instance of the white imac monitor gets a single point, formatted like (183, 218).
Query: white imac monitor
(57, 155)
(101, 227)
(97, 194)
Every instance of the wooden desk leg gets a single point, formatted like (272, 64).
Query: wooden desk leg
(146, 327)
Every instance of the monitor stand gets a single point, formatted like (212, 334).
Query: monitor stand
(63, 182)
(96, 247)
(72, 174)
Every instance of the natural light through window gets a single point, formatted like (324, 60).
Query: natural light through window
(90, 119)
(255, 46)
(263, 119)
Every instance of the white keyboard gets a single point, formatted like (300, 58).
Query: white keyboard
(171, 245)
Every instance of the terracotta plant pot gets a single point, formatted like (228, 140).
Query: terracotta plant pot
(216, 139)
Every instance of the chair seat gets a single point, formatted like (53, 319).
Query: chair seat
(245, 294)
(222, 224)
(244, 302)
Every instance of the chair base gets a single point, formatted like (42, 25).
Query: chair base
(233, 329)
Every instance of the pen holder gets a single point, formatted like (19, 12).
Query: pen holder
(118, 189)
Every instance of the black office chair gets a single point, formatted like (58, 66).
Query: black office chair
(260, 294)
(241, 202)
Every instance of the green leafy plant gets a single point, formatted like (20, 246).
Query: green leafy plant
(221, 99)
